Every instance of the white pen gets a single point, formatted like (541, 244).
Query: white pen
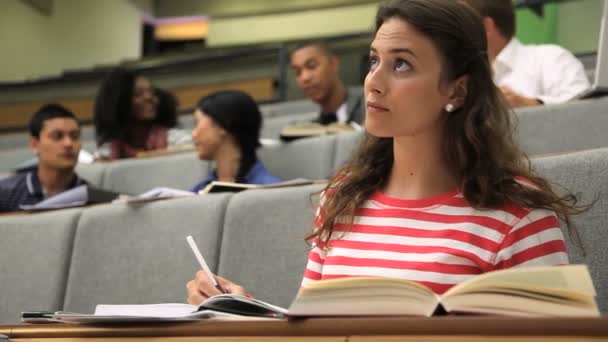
(203, 264)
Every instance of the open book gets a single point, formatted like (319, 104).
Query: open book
(225, 306)
(540, 291)
(219, 186)
(312, 129)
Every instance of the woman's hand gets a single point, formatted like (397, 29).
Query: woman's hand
(201, 288)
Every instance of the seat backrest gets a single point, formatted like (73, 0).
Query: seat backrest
(34, 261)
(288, 108)
(263, 244)
(585, 174)
(345, 147)
(11, 158)
(134, 176)
(565, 127)
(92, 173)
(310, 158)
(271, 127)
(126, 254)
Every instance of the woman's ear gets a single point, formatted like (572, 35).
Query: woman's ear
(459, 91)
(222, 132)
(34, 144)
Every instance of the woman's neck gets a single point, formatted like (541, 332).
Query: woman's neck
(54, 181)
(419, 170)
(228, 161)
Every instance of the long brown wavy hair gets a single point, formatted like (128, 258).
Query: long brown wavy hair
(477, 141)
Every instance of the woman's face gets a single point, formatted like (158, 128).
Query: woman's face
(402, 88)
(144, 102)
(207, 136)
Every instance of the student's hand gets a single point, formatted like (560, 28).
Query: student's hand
(201, 288)
(516, 100)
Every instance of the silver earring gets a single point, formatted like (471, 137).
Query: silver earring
(449, 107)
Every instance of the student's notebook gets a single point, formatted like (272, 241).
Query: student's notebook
(542, 291)
(219, 186)
(155, 194)
(226, 306)
(78, 196)
(313, 129)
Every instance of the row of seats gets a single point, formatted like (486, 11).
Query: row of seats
(543, 130)
(314, 158)
(540, 130)
(119, 253)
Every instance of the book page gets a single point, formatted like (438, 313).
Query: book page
(156, 194)
(146, 310)
(219, 186)
(366, 283)
(364, 296)
(561, 279)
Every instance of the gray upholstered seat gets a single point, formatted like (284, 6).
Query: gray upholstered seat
(92, 173)
(263, 244)
(35, 251)
(138, 254)
(310, 158)
(567, 127)
(585, 174)
(133, 176)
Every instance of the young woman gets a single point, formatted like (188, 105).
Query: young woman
(227, 131)
(128, 118)
(438, 191)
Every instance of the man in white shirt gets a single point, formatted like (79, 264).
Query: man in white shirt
(528, 75)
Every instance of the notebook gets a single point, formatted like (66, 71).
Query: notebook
(600, 84)
(75, 197)
(224, 307)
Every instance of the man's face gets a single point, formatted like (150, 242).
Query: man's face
(316, 72)
(58, 145)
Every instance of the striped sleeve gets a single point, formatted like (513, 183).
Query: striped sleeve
(536, 240)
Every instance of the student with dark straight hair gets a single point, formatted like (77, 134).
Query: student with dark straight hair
(227, 132)
(528, 75)
(438, 191)
(55, 139)
(129, 120)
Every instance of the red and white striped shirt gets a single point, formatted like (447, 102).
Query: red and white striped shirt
(439, 241)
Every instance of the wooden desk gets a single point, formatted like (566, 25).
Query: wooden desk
(474, 329)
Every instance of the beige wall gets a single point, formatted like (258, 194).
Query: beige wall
(78, 34)
(224, 8)
(579, 25)
(289, 26)
(85, 33)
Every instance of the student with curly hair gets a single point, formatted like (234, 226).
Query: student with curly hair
(129, 118)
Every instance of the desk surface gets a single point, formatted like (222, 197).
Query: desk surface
(450, 328)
